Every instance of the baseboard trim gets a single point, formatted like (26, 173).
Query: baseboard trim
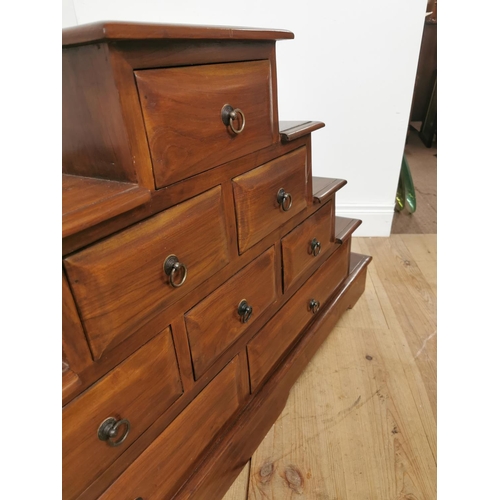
(377, 219)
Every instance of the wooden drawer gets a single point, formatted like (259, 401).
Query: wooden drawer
(120, 283)
(302, 246)
(139, 390)
(182, 113)
(164, 466)
(274, 340)
(258, 211)
(214, 324)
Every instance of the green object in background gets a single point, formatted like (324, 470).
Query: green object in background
(405, 194)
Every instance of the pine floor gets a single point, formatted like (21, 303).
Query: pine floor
(360, 423)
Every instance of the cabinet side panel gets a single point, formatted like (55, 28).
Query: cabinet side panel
(95, 142)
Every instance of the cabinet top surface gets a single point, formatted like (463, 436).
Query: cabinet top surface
(114, 30)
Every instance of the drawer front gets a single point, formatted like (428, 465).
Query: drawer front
(165, 465)
(274, 340)
(302, 247)
(182, 113)
(139, 390)
(214, 324)
(258, 210)
(120, 283)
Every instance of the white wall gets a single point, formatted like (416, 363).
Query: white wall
(352, 65)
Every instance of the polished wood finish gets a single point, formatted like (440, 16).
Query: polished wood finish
(234, 450)
(95, 139)
(176, 450)
(255, 196)
(181, 148)
(139, 390)
(324, 187)
(214, 324)
(364, 406)
(119, 292)
(164, 198)
(273, 341)
(88, 202)
(117, 354)
(344, 228)
(151, 171)
(293, 130)
(115, 30)
(76, 355)
(297, 246)
(76, 350)
(104, 133)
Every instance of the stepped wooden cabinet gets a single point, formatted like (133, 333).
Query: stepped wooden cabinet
(203, 264)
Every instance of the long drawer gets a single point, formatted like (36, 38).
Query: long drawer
(134, 395)
(121, 283)
(273, 341)
(163, 467)
(182, 109)
(218, 320)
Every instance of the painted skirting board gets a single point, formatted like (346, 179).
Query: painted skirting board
(377, 219)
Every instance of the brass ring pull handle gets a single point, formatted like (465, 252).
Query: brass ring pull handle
(284, 200)
(245, 311)
(314, 306)
(109, 430)
(172, 266)
(229, 115)
(315, 247)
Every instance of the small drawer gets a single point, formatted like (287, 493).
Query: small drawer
(274, 340)
(164, 466)
(268, 196)
(217, 321)
(138, 391)
(182, 109)
(302, 247)
(124, 281)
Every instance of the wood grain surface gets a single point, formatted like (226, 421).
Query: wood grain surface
(87, 202)
(182, 113)
(118, 293)
(258, 212)
(214, 324)
(360, 422)
(116, 30)
(298, 255)
(139, 390)
(278, 335)
(177, 452)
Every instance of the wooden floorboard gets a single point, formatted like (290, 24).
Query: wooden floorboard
(360, 423)
(239, 489)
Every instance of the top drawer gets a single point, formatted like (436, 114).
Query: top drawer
(182, 113)
(121, 283)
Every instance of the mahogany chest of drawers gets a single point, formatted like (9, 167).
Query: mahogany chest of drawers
(203, 264)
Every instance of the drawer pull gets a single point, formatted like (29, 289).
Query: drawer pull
(284, 200)
(314, 306)
(171, 266)
(109, 430)
(245, 311)
(229, 114)
(315, 247)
